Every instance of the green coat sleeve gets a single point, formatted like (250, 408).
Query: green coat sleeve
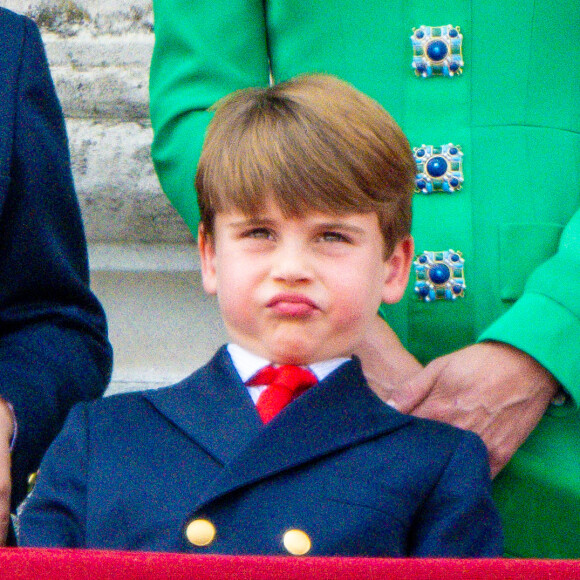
(203, 51)
(545, 321)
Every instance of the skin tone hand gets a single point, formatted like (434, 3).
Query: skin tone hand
(386, 363)
(6, 429)
(491, 388)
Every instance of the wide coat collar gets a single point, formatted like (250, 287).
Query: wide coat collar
(214, 409)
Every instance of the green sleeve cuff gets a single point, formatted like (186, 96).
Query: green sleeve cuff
(549, 333)
(176, 150)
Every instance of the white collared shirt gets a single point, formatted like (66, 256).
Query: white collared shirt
(248, 364)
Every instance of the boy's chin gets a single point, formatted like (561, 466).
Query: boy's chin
(290, 357)
(288, 348)
(292, 354)
(299, 355)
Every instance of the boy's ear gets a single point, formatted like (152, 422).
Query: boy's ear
(397, 269)
(206, 248)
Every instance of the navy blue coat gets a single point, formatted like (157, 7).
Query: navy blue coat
(53, 340)
(131, 471)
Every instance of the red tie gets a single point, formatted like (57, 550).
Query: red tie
(285, 383)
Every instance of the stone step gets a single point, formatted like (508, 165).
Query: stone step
(103, 93)
(135, 257)
(161, 323)
(119, 194)
(69, 17)
(103, 76)
(86, 50)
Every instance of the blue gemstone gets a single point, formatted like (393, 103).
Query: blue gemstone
(423, 290)
(454, 66)
(453, 151)
(422, 259)
(437, 166)
(457, 289)
(421, 68)
(454, 257)
(419, 34)
(439, 274)
(454, 182)
(453, 33)
(437, 50)
(421, 184)
(421, 152)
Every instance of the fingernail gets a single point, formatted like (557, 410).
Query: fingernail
(392, 403)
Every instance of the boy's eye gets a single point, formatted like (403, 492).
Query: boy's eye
(259, 234)
(333, 237)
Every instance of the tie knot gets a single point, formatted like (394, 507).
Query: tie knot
(285, 383)
(290, 376)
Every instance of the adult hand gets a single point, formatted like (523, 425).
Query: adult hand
(6, 430)
(386, 363)
(491, 388)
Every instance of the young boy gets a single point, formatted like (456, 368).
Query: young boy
(305, 195)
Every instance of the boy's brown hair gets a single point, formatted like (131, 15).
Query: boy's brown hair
(314, 143)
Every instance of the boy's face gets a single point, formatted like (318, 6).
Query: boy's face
(302, 289)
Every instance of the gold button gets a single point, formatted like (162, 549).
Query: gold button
(297, 542)
(32, 481)
(200, 532)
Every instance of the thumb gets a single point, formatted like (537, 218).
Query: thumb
(414, 391)
(4, 493)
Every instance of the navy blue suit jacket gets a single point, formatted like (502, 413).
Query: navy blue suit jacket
(130, 472)
(53, 340)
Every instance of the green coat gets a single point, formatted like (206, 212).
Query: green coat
(514, 113)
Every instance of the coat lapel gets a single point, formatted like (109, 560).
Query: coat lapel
(213, 407)
(339, 412)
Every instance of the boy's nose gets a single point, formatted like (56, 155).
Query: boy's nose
(291, 264)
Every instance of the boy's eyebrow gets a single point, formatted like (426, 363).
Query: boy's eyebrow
(258, 221)
(341, 226)
(250, 221)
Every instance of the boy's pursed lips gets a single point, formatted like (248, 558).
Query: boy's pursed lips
(290, 304)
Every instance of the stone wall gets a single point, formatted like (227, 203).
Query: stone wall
(99, 52)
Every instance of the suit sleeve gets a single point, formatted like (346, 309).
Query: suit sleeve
(459, 518)
(53, 337)
(54, 514)
(545, 321)
(203, 51)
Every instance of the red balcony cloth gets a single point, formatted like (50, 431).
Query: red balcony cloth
(54, 564)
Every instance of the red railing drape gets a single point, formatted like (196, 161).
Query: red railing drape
(52, 564)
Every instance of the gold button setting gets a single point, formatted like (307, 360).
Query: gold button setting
(200, 532)
(296, 542)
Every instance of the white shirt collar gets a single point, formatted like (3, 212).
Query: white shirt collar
(248, 364)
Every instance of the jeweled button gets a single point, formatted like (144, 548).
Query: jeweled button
(439, 168)
(437, 51)
(439, 275)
